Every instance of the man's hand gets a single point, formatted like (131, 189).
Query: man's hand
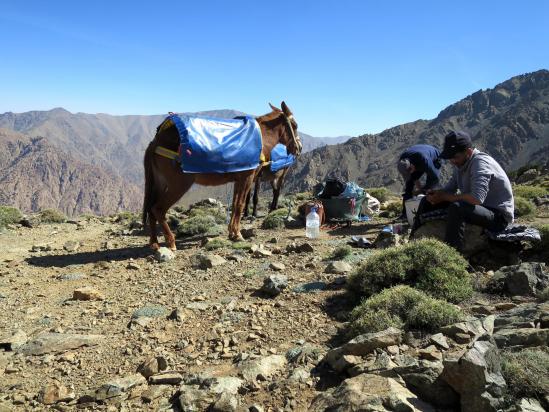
(438, 196)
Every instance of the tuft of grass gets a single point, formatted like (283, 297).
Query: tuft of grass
(249, 273)
(126, 216)
(544, 233)
(524, 207)
(380, 193)
(241, 245)
(275, 219)
(217, 243)
(198, 225)
(402, 307)
(51, 216)
(543, 296)
(341, 252)
(529, 192)
(9, 215)
(526, 373)
(426, 264)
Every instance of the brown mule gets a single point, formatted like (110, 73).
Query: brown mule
(165, 183)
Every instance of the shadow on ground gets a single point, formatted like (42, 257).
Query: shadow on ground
(82, 258)
(357, 229)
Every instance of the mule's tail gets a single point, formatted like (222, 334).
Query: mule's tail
(149, 197)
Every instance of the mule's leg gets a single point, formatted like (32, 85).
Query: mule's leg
(256, 196)
(153, 240)
(247, 206)
(276, 194)
(241, 188)
(173, 193)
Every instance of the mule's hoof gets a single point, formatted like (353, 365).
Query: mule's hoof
(154, 246)
(237, 238)
(173, 248)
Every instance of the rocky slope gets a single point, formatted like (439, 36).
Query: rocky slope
(36, 175)
(91, 320)
(509, 121)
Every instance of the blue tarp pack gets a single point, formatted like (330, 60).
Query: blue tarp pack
(211, 145)
(280, 158)
(352, 190)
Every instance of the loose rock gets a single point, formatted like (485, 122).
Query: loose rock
(273, 285)
(339, 267)
(55, 392)
(57, 342)
(87, 293)
(164, 254)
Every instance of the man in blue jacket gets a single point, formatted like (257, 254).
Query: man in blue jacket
(416, 161)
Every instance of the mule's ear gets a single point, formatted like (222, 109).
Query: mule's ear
(286, 109)
(274, 109)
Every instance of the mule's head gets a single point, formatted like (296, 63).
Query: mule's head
(290, 137)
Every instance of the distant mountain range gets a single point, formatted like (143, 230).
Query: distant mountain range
(509, 121)
(80, 163)
(35, 175)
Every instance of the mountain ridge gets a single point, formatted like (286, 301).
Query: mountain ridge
(510, 121)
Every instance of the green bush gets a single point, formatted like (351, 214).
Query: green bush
(303, 196)
(402, 307)
(526, 373)
(217, 213)
(426, 264)
(380, 193)
(198, 225)
(517, 173)
(275, 219)
(51, 216)
(523, 207)
(393, 209)
(9, 215)
(544, 233)
(529, 192)
(341, 252)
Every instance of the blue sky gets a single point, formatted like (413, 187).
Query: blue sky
(344, 67)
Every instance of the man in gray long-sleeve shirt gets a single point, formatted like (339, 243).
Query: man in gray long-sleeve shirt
(485, 195)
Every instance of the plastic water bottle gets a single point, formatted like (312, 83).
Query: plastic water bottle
(312, 224)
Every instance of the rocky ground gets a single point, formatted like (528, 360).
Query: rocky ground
(91, 319)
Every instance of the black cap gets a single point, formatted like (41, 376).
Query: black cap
(455, 142)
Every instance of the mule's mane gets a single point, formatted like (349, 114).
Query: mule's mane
(269, 117)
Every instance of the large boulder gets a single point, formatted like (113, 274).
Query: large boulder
(523, 316)
(475, 240)
(363, 345)
(526, 337)
(476, 376)
(525, 279)
(424, 379)
(469, 330)
(368, 392)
